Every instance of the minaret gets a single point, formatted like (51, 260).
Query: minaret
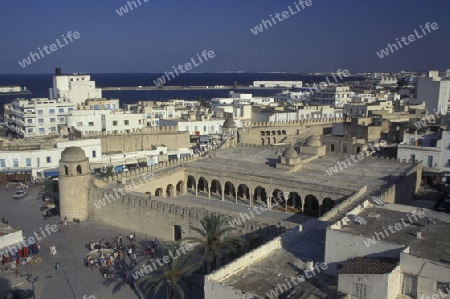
(74, 180)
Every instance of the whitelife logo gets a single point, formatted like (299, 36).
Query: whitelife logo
(411, 38)
(284, 15)
(53, 47)
(188, 66)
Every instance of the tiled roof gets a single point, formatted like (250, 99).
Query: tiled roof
(364, 265)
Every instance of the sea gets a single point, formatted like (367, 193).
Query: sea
(39, 85)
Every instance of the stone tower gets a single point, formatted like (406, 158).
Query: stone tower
(74, 179)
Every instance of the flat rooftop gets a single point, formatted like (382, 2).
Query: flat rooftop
(433, 245)
(264, 274)
(249, 161)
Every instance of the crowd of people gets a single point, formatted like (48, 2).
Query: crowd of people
(111, 257)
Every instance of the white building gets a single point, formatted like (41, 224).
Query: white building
(434, 91)
(292, 97)
(303, 113)
(36, 117)
(430, 148)
(77, 88)
(6, 89)
(277, 84)
(105, 120)
(197, 127)
(44, 162)
(364, 109)
(335, 96)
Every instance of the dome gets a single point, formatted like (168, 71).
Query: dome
(290, 153)
(313, 140)
(73, 154)
(229, 123)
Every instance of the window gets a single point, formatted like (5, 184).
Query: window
(358, 149)
(196, 128)
(114, 123)
(94, 154)
(53, 129)
(177, 233)
(52, 120)
(51, 111)
(139, 121)
(15, 163)
(2, 163)
(430, 161)
(28, 162)
(61, 119)
(41, 130)
(332, 147)
(29, 120)
(61, 110)
(30, 130)
(409, 287)
(126, 122)
(38, 161)
(48, 159)
(344, 149)
(70, 109)
(40, 120)
(149, 115)
(413, 158)
(187, 128)
(91, 124)
(205, 129)
(79, 124)
(40, 112)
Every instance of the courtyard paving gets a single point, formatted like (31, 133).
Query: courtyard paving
(75, 281)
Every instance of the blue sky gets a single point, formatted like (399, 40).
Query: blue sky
(328, 35)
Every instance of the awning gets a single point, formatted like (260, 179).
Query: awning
(429, 174)
(51, 173)
(15, 170)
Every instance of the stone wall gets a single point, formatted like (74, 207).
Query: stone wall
(264, 133)
(139, 140)
(155, 217)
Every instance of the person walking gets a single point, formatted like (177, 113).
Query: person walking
(57, 268)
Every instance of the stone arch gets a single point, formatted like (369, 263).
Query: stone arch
(202, 184)
(311, 207)
(279, 132)
(283, 132)
(66, 170)
(191, 184)
(277, 199)
(216, 188)
(268, 140)
(274, 140)
(159, 192)
(79, 170)
(327, 205)
(179, 187)
(243, 191)
(229, 190)
(170, 190)
(260, 195)
(273, 132)
(294, 203)
(262, 141)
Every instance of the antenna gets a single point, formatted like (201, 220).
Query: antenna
(72, 60)
(376, 201)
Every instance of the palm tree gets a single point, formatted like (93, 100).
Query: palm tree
(204, 102)
(109, 170)
(214, 242)
(172, 275)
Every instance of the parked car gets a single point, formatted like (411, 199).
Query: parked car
(51, 213)
(19, 194)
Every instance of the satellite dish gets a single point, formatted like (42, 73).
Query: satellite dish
(376, 201)
(358, 220)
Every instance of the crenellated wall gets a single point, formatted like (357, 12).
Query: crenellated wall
(157, 217)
